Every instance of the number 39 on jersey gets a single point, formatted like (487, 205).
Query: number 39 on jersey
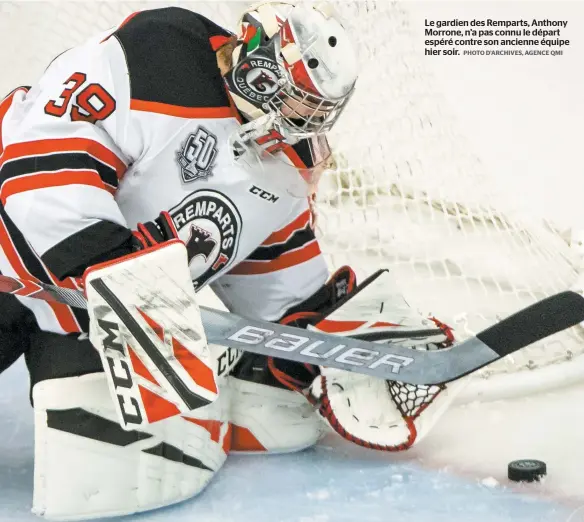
(83, 101)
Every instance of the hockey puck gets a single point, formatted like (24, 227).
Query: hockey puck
(526, 470)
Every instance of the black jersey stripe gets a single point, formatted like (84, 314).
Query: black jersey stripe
(56, 162)
(97, 243)
(298, 239)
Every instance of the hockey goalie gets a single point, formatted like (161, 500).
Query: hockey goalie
(155, 159)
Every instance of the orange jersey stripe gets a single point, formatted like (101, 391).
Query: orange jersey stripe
(280, 236)
(182, 112)
(50, 179)
(39, 147)
(62, 312)
(295, 257)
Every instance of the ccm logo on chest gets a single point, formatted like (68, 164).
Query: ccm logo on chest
(264, 194)
(210, 225)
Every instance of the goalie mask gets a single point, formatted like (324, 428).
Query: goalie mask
(294, 70)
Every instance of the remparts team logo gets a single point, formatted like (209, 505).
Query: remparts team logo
(257, 79)
(210, 225)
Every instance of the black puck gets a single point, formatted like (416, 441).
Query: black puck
(526, 470)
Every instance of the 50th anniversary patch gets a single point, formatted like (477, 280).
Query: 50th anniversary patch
(210, 225)
(197, 155)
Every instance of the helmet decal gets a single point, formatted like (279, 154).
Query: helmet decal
(252, 37)
(257, 77)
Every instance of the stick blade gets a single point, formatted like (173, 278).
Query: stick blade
(544, 318)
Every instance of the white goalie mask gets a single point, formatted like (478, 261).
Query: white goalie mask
(294, 70)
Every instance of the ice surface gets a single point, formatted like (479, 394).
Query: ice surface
(334, 482)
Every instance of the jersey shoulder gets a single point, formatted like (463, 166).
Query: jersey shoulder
(170, 54)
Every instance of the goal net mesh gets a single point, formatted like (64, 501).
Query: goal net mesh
(406, 192)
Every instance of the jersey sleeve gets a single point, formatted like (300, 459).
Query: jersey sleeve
(61, 163)
(286, 269)
(94, 115)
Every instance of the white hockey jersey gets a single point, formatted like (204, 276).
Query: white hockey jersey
(134, 122)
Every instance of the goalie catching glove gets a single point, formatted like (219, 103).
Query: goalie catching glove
(146, 326)
(370, 412)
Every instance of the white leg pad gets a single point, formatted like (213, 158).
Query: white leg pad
(87, 466)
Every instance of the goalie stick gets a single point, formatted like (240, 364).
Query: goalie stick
(385, 361)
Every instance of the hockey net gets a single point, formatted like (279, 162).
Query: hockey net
(406, 192)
